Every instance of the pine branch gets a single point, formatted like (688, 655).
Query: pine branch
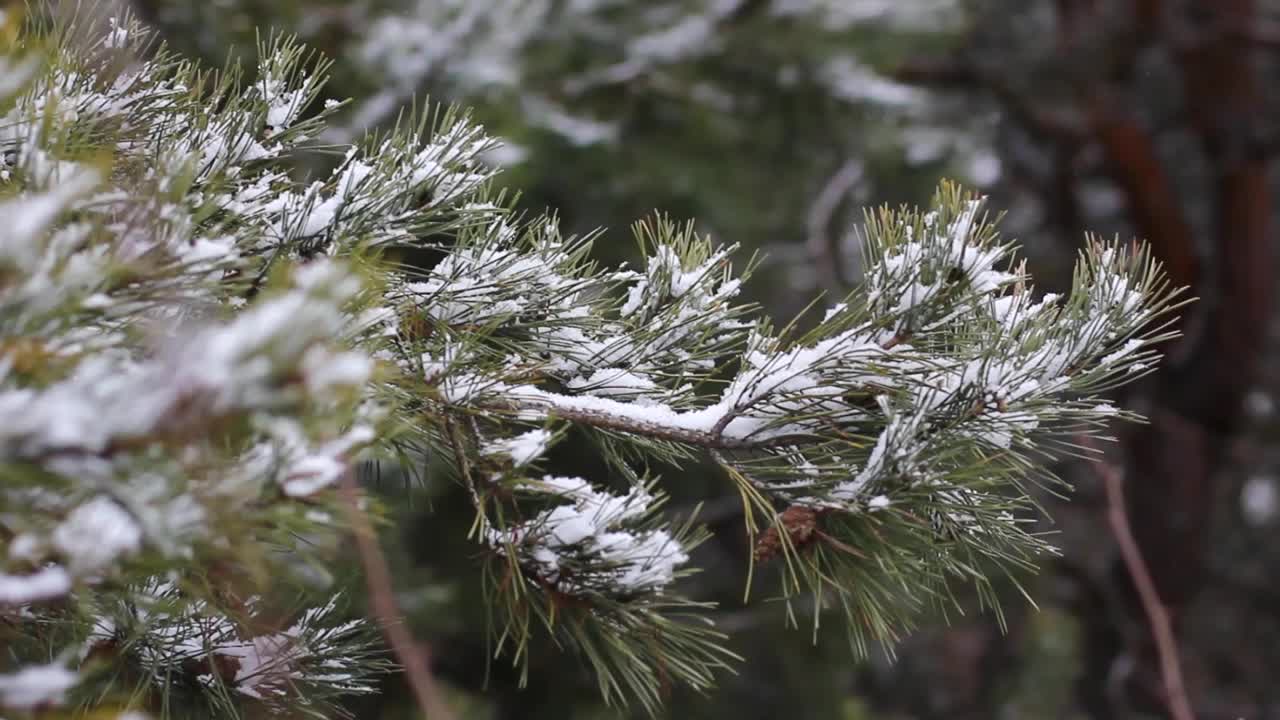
(195, 346)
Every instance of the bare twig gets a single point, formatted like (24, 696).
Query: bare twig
(1175, 690)
(822, 241)
(413, 655)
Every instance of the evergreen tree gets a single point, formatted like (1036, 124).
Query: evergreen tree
(198, 347)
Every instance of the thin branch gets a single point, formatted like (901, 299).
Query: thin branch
(1157, 616)
(713, 439)
(822, 243)
(411, 654)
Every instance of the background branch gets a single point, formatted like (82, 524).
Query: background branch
(1175, 693)
(822, 242)
(413, 655)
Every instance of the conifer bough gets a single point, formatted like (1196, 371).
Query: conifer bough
(195, 347)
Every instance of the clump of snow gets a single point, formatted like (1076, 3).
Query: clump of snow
(853, 82)
(589, 544)
(577, 129)
(47, 583)
(912, 276)
(665, 275)
(324, 369)
(1129, 347)
(95, 534)
(1105, 409)
(522, 449)
(613, 382)
(306, 470)
(689, 36)
(283, 102)
(36, 686)
(895, 450)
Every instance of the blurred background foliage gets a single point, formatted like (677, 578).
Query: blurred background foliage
(772, 124)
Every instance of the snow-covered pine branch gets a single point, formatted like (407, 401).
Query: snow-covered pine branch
(195, 345)
(929, 393)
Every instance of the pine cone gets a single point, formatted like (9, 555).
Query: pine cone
(799, 522)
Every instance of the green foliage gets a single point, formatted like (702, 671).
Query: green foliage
(198, 344)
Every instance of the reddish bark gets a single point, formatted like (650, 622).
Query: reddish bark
(1153, 201)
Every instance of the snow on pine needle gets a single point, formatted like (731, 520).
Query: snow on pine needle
(589, 544)
(197, 343)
